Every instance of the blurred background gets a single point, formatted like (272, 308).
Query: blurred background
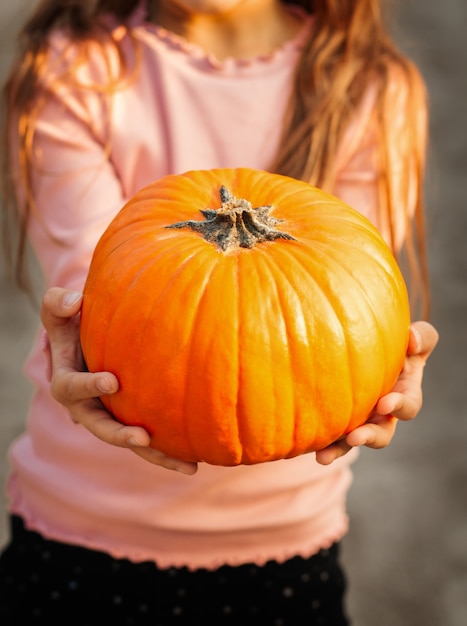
(406, 553)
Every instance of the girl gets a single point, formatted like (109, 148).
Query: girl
(105, 97)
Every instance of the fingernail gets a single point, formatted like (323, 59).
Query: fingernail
(134, 441)
(105, 385)
(71, 298)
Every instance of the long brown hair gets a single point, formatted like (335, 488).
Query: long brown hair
(349, 51)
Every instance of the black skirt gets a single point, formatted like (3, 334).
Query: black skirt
(43, 580)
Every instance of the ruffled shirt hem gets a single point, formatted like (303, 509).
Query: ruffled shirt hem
(222, 550)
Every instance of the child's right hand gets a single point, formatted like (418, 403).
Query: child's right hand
(79, 391)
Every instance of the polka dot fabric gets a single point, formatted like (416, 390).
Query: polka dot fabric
(42, 581)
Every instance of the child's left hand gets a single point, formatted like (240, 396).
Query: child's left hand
(402, 403)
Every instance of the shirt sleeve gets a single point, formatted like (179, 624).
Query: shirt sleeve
(75, 187)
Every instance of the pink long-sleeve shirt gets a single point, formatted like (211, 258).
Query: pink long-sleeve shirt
(182, 111)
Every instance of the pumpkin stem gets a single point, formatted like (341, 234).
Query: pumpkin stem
(235, 224)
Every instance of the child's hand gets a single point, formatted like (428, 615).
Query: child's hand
(79, 391)
(402, 403)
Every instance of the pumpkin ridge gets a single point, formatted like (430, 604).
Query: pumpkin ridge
(334, 301)
(384, 339)
(303, 256)
(168, 290)
(264, 276)
(372, 237)
(239, 318)
(327, 250)
(107, 343)
(96, 302)
(209, 282)
(244, 277)
(168, 249)
(276, 273)
(389, 277)
(343, 218)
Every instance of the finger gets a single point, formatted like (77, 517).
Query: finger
(159, 458)
(58, 305)
(374, 435)
(423, 338)
(61, 321)
(401, 405)
(95, 418)
(329, 454)
(69, 387)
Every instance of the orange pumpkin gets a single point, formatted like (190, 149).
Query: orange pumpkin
(248, 316)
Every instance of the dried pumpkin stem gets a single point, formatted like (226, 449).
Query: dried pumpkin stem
(235, 224)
